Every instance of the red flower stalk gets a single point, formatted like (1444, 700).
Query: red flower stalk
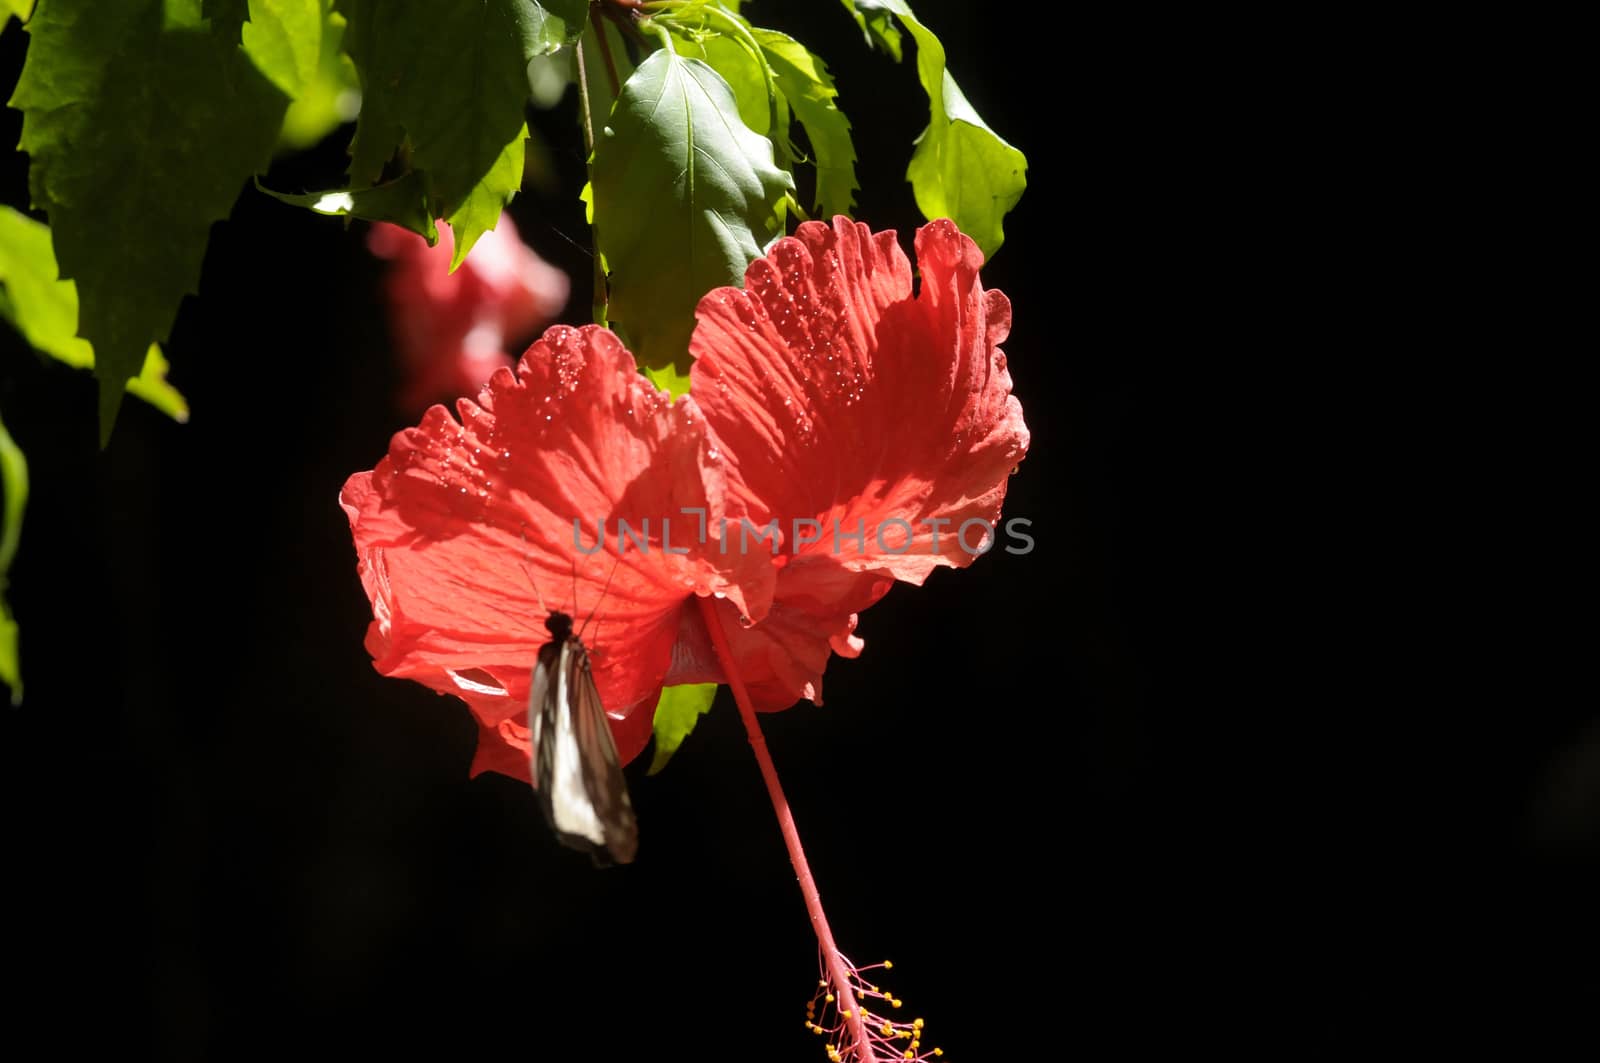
(869, 430)
(453, 329)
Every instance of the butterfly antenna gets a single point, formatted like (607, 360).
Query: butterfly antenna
(574, 564)
(528, 570)
(603, 591)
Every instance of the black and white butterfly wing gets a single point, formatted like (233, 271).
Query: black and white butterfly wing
(575, 766)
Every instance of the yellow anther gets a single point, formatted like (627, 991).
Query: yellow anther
(822, 983)
(886, 1029)
(895, 1002)
(829, 998)
(888, 966)
(938, 1051)
(909, 1055)
(846, 1014)
(917, 1023)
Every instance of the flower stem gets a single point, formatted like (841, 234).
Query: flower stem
(838, 971)
(600, 304)
(605, 51)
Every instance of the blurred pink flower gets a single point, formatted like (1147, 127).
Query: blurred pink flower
(454, 330)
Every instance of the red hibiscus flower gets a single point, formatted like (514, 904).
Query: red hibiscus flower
(465, 535)
(868, 422)
(877, 428)
(453, 329)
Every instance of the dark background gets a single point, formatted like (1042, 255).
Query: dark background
(1036, 793)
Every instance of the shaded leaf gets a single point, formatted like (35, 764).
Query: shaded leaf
(677, 711)
(227, 17)
(400, 201)
(685, 196)
(445, 82)
(141, 125)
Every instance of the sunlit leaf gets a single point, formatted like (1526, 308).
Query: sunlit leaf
(806, 85)
(14, 488)
(743, 69)
(284, 39)
(877, 25)
(961, 169)
(45, 311)
(677, 712)
(330, 97)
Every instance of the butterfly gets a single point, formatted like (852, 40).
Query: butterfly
(575, 767)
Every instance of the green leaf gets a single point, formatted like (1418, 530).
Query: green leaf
(685, 197)
(401, 201)
(444, 81)
(877, 25)
(330, 98)
(14, 486)
(961, 169)
(669, 378)
(284, 39)
(142, 125)
(20, 8)
(807, 87)
(677, 712)
(45, 310)
(744, 70)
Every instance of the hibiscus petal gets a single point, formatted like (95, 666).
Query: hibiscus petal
(781, 659)
(840, 397)
(466, 540)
